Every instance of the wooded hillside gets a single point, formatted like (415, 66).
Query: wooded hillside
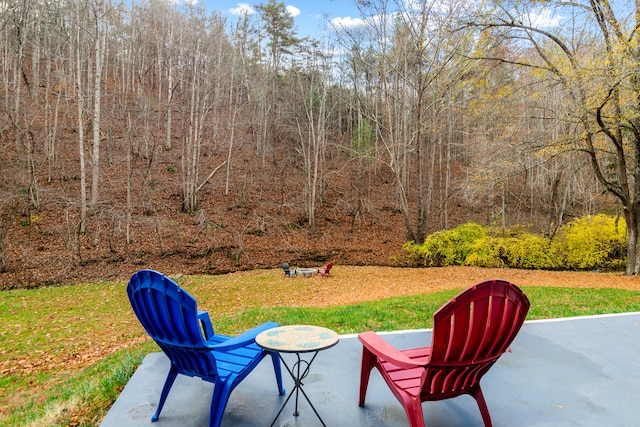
(147, 135)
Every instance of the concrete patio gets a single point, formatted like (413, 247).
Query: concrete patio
(567, 372)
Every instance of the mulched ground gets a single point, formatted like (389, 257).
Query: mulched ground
(349, 285)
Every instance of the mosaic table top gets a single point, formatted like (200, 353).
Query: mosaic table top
(297, 338)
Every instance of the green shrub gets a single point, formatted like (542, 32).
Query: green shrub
(447, 247)
(485, 252)
(529, 251)
(592, 242)
(513, 248)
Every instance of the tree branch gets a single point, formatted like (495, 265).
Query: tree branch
(210, 175)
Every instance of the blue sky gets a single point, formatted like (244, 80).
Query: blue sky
(315, 17)
(311, 16)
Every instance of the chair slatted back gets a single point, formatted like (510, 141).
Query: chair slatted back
(286, 269)
(169, 315)
(470, 333)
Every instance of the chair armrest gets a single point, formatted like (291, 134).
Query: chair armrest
(244, 339)
(205, 321)
(385, 351)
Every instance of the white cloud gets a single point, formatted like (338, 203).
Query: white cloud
(293, 11)
(346, 23)
(242, 9)
(246, 9)
(544, 19)
(415, 5)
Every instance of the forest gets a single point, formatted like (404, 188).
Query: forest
(150, 134)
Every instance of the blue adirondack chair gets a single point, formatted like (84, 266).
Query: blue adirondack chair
(185, 334)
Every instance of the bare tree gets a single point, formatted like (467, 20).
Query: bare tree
(99, 11)
(203, 96)
(566, 52)
(415, 64)
(80, 56)
(312, 131)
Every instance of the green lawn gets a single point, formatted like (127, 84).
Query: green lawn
(66, 352)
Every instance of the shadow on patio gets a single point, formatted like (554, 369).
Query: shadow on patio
(581, 371)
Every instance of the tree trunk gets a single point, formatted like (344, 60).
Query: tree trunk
(167, 143)
(98, 52)
(633, 250)
(80, 101)
(552, 213)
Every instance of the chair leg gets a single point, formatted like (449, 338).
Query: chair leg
(368, 362)
(482, 404)
(171, 377)
(413, 409)
(275, 358)
(221, 393)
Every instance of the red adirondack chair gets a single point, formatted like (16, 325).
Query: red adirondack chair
(470, 333)
(324, 272)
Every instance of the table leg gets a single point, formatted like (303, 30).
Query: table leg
(298, 374)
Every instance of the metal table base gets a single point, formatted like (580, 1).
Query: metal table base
(298, 374)
(297, 339)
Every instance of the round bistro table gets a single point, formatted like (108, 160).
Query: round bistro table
(297, 339)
